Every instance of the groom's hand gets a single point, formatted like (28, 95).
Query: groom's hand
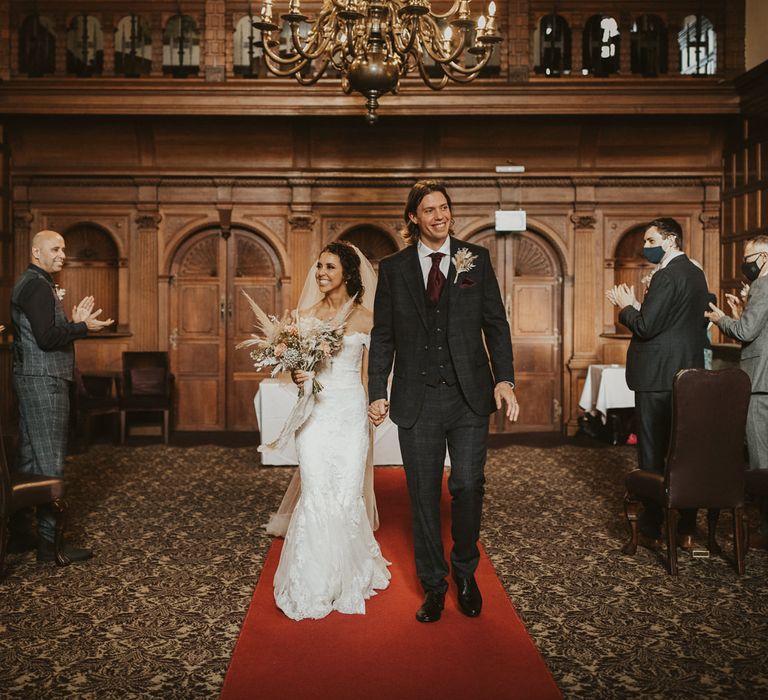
(504, 393)
(377, 411)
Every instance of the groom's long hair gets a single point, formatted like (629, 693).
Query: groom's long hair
(410, 232)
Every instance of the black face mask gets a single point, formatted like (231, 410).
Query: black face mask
(751, 270)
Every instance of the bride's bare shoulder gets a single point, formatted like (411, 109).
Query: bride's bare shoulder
(360, 320)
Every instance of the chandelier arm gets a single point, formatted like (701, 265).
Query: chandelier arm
(428, 81)
(288, 72)
(306, 51)
(314, 78)
(402, 51)
(431, 44)
(474, 70)
(450, 12)
(276, 58)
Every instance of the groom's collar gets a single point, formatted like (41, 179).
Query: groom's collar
(425, 251)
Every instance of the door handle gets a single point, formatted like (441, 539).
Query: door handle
(222, 310)
(173, 338)
(230, 307)
(508, 307)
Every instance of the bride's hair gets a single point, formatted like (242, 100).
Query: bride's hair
(350, 268)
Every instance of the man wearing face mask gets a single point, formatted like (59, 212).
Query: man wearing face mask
(667, 336)
(751, 328)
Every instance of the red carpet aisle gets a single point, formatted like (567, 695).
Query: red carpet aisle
(386, 654)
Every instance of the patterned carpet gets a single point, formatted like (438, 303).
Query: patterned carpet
(179, 543)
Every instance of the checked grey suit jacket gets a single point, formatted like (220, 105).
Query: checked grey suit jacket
(400, 333)
(752, 330)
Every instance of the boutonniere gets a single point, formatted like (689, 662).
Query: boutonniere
(59, 292)
(463, 261)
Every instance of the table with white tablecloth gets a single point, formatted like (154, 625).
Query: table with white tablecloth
(606, 388)
(274, 401)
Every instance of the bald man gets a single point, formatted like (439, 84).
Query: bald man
(43, 364)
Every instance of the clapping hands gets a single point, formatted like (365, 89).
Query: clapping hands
(84, 313)
(622, 295)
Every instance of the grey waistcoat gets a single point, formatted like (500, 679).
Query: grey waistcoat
(28, 358)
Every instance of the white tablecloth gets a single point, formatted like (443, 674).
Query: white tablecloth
(606, 388)
(274, 401)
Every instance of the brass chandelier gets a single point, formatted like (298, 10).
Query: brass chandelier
(374, 43)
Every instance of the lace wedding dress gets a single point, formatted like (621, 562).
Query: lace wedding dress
(330, 559)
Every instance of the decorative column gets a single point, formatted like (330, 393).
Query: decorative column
(586, 311)
(625, 43)
(214, 58)
(7, 40)
(518, 45)
(108, 46)
(156, 32)
(60, 24)
(577, 39)
(673, 44)
(303, 240)
(144, 267)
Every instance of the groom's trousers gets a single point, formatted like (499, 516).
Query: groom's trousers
(445, 418)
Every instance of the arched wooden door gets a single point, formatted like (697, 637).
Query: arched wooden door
(531, 286)
(209, 316)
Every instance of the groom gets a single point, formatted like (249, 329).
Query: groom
(436, 302)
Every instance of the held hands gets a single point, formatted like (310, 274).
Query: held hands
(504, 393)
(621, 295)
(378, 411)
(84, 313)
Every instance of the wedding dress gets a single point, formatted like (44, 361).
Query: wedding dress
(330, 558)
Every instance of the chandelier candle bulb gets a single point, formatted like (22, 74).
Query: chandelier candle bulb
(490, 27)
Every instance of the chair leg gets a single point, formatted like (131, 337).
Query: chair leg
(738, 539)
(713, 515)
(4, 532)
(60, 509)
(122, 427)
(670, 516)
(165, 425)
(631, 510)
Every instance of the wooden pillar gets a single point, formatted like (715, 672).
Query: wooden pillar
(144, 267)
(60, 24)
(6, 40)
(213, 58)
(577, 59)
(304, 239)
(518, 43)
(108, 46)
(625, 44)
(673, 44)
(156, 32)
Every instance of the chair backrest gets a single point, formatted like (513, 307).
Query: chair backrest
(705, 465)
(145, 373)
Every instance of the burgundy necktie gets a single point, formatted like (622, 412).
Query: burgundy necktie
(435, 279)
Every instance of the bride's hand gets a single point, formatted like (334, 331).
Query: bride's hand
(299, 376)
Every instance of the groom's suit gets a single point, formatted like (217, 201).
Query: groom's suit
(442, 391)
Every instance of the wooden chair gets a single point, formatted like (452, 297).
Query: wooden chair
(146, 386)
(94, 395)
(756, 487)
(19, 491)
(705, 463)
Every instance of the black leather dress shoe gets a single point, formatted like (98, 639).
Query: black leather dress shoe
(46, 553)
(470, 600)
(432, 607)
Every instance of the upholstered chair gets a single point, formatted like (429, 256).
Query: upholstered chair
(705, 465)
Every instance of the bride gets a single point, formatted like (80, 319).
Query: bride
(330, 559)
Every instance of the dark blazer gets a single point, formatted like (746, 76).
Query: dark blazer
(400, 333)
(668, 330)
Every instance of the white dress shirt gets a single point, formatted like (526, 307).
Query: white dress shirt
(426, 261)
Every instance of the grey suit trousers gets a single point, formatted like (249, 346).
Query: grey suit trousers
(43, 425)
